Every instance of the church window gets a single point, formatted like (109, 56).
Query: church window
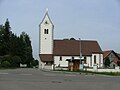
(94, 59)
(60, 58)
(84, 59)
(45, 31)
(72, 58)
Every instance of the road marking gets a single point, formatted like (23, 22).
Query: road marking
(3, 73)
(26, 74)
(69, 75)
(49, 74)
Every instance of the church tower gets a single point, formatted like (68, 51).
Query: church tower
(46, 35)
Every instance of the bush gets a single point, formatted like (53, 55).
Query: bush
(34, 63)
(10, 61)
(15, 62)
(5, 64)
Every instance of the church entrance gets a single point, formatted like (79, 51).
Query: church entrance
(74, 64)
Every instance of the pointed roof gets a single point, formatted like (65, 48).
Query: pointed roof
(46, 15)
(118, 54)
(108, 52)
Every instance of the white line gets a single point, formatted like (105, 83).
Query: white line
(49, 74)
(3, 73)
(26, 74)
(69, 75)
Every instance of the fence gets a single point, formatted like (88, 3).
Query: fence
(116, 69)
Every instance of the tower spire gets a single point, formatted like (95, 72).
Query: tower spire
(46, 10)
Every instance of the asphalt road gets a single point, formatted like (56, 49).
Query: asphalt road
(33, 79)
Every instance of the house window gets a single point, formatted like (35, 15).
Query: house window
(45, 31)
(72, 58)
(94, 59)
(60, 58)
(84, 59)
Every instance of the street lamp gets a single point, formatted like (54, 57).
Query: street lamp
(81, 66)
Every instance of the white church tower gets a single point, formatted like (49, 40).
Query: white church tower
(46, 35)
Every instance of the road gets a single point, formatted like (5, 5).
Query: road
(33, 79)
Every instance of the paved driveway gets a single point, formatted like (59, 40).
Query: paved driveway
(33, 79)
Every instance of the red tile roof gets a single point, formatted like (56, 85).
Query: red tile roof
(106, 53)
(115, 61)
(46, 57)
(72, 47)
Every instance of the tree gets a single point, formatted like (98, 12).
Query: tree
(4, 38)
(72, 38)
(65, 39)
(2, 43)
(5, 64)
(14, 49)
(107, 62)
(118, 63)
(16, 61)
(34, 63)
(27, 57)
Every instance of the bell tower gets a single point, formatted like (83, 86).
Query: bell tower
(46, 35)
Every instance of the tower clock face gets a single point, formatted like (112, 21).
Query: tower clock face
(46, 23)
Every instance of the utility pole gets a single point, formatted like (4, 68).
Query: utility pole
(81, 66)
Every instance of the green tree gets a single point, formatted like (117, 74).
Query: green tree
(27, 57)
(34, 63)
(14, 49)
(2, 43)
(6, 36)
(72, 38)
(107, 62)
(5, 64)
(118, 63)
(15, 61)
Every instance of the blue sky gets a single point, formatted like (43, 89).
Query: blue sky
(86, 19)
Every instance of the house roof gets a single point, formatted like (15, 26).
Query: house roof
(118, 54)
(108, 52)
(115, 61)
(72, 47)
(46, 57)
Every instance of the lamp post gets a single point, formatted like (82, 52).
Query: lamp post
(81, 66)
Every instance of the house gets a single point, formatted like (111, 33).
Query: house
(66, 53)
(113, 57)
(118, 54)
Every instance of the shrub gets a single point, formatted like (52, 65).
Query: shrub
(5, 64)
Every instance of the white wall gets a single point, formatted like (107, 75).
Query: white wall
(63, 62)
(105, 70)
(99, 59)
(88, 61)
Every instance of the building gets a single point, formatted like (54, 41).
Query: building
(66, 53)
(112, 56)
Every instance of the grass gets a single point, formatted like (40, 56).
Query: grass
(90, 72)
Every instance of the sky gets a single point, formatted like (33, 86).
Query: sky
(86, 19)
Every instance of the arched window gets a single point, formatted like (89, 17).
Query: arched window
(94, 59)
(45, 31)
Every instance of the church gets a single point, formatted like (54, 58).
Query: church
(67, 54)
